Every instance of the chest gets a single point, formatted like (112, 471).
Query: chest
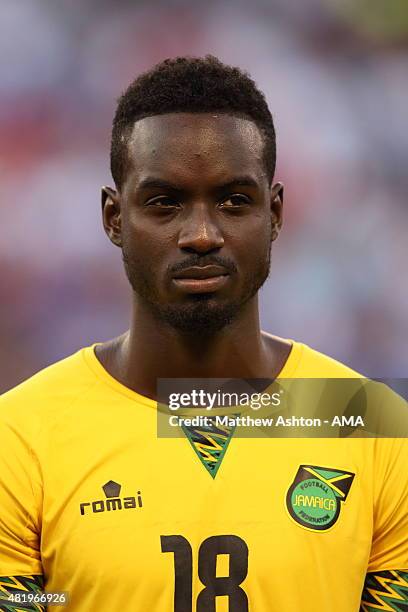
(113, 502)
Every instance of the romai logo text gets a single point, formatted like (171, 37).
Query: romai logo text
(112, 500)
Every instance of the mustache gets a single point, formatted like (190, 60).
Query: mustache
(203, 260)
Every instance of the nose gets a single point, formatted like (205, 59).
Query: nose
(200, 232)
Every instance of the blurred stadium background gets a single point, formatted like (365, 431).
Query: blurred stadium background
(335, 75)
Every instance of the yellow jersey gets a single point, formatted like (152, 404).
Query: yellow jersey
(101, 508)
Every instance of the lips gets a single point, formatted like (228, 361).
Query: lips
(200, 272)
(205, 279)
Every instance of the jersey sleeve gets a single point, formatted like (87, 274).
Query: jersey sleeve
(20, 496)
(389, 549)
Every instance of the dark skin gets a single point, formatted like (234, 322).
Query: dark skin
(196, 192)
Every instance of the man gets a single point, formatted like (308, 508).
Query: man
(92, 501)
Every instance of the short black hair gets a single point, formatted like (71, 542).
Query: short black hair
(192, 85)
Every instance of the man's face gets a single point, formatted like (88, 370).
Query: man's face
(197, 217)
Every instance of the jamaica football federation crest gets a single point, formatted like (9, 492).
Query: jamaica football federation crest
(316, 495)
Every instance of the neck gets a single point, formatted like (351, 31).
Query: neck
(152, 349)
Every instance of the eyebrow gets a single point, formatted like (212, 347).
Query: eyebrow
(152, 183)
(239, 181)
(156, 183)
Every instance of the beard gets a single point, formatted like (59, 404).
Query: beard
(203, 314)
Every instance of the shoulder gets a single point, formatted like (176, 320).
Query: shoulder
(385, 411)
(55, 386)
(310, 363)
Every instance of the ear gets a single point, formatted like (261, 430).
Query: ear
(111, 215)
(276, 209)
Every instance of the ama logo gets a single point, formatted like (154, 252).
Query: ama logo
(112, 501)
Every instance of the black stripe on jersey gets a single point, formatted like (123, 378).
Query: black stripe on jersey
(20, 585)
(387, 590)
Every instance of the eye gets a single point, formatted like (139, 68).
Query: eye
(235, 200)
(163, 202)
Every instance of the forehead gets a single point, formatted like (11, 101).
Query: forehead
(208, 145)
